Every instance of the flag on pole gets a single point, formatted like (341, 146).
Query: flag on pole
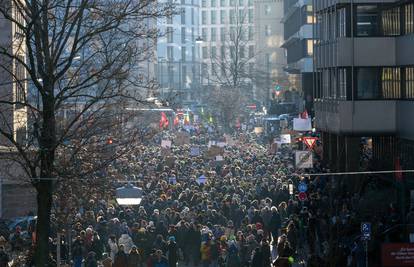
(164, 121)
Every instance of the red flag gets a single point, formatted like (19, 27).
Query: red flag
(164, 121)
(176, 121)
(398, 175)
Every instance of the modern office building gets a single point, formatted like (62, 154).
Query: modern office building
(270, 56)
(298, 22)
(178, 64)
(364, 70)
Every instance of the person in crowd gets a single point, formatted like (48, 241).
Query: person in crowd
(4, 258)
(106, 260)
(78, 252)
(121, 258)
(134, 258)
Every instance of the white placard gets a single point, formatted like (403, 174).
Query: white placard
(302, 125)
(304, 159)
(283, 139)
(172, 180)
(202, 179)
(165, 143)
(219, 158)
(221, 144)
(194, 151)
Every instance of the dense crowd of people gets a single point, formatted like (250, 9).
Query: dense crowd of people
(235, 210)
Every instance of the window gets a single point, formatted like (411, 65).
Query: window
(232, 33)
(232, 2)
(409, 19)
(341, 22)
(192, 34)
(367, 20)
(183, 29)
(20, 76)
(250, 2)
(193, 53)
(251, 51)
(170, 53)
(205, 52)
(170, 35)
(232, 16)
(368, 80)
(267, 10)
(213, 52)
(182, 15)
(391, 22)
(169, 20)
(183, 2)
(267, 30)
(250, 33)
(391, 83)
(309, 47)
(409, 83)
(183, 54)
(223, 52)
(223, 34)
(192, 16)
(241, 52)
(184, 75)
(204, 33)
(204, 3)
(213, 37)
(213, 3)
(241, 3)
(204, 17)
(222, 16)
(250, 15)
(222, 3)
(213, 17)
(342, 83)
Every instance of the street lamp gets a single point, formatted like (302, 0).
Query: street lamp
(129, 195)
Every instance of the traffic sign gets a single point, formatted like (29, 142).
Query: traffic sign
(310, 141)
(302, 187)
(366, 230)
(302, 196)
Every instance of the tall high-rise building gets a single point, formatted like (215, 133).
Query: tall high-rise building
(364, 88)
(270, 58)
(178, 65)
(298, 34)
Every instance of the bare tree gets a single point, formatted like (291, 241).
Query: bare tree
(83, 60)
(231, 70)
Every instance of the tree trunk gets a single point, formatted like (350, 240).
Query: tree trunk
(44, 205)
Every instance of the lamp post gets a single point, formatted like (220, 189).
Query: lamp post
(129, 195)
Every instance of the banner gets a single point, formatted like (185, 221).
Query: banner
(397, 254)
(304, 159)
(302, 125)
(283, 139)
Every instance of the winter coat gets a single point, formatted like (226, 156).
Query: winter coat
(114, 249)
(107, 262)
(121, 259)
(275, 222)
(134, 259)
(172, 252)
(126, 241)
(4, 259)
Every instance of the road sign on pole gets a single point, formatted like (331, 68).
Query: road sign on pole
(302, 187)
(309, 141)
(366, 230)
